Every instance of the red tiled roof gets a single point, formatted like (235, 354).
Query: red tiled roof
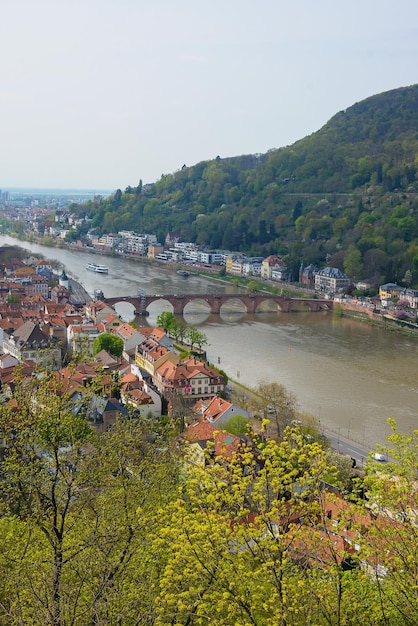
(201, 431)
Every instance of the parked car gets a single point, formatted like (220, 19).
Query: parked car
(378, 456)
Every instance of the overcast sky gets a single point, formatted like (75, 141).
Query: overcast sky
(97, 94)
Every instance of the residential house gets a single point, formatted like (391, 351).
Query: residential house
(80, 337)
(60, 294)
(134, 394)
(106, 361)
(29, 342)
(252, 266)
(101, 412)
(8, 377)
(132, 380)
(7, 326)
(217, 410)
(235, 264)
(363, 285)
(154, 250)
(130, 336)
(281, 273)
(389, 291)
(411, 297)
(37, 284)
(110, 323)
(7, 361)
(98, 311)
(158, 335)
(207, 441)
(307, 275)
(191, 378)
(140, 401)
(55, 327)
(150, 355)
(172, 238)
(24, 272)
(269, 264)
(331, 280)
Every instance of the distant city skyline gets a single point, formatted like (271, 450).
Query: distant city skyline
(50, 190)
(103, 93)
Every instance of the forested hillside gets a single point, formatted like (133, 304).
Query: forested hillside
(347, 195)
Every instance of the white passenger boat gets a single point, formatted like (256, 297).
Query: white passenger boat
(101, 269)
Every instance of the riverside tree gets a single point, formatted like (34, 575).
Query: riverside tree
(275, 403)
(181, 331)
(167, 321)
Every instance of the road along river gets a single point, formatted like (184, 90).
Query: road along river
(350, 376)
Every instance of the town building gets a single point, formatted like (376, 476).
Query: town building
(388, 291)
(217, 410)
(29, 342)
(331, 280)
(269, 264)
(307, 275)
(191, 378)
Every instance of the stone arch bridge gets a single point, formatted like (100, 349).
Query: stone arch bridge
(216, 301)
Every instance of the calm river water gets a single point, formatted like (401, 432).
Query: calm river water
(350, 376)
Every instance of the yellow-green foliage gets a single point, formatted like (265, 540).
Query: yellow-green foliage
(106, 530)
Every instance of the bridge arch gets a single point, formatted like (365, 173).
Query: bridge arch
(162, 301)
(215, 302)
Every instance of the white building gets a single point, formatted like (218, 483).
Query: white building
(252, 266)
(331, 280)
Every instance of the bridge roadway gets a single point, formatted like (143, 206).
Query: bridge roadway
(215, 302)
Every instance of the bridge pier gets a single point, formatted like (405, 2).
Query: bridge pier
(284, 305)
(250, 306)
(214, 305)
(178, 305)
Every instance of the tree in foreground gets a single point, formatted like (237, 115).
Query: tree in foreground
(100, 530)
(77, 511)
(260, 541)
(242, 541)
(390, 543)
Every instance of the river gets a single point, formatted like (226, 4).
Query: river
(351, 376)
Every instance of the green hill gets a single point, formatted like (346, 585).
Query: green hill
(345, 195)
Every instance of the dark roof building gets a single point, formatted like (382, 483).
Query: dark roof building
(331, 280)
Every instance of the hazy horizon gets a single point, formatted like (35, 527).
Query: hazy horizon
(102, 94)
(23, 189)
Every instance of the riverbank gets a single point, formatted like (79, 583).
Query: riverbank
(362, 312)
(379, 318)
(351, 375)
